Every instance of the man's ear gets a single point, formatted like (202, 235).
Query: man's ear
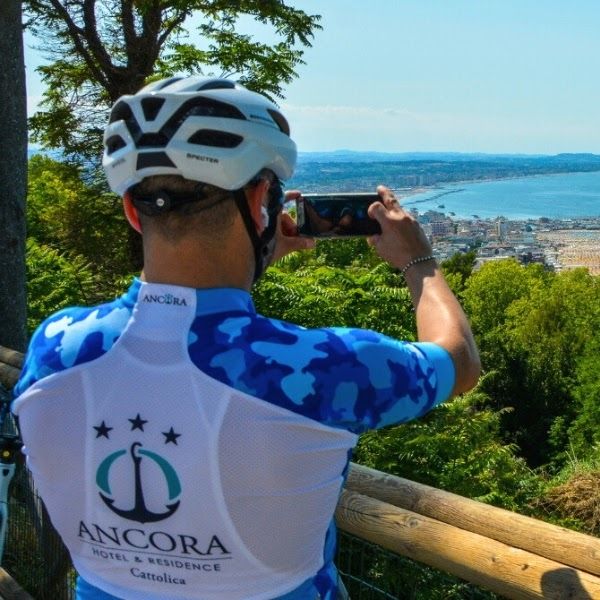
(131, 212)
(256, 196)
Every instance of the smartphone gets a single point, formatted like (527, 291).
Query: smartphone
(336, 215)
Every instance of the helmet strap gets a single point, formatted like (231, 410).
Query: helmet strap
(263, 244)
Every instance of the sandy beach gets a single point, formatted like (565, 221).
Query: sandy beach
(573, 248)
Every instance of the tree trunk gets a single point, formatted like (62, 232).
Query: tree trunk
(13, 176)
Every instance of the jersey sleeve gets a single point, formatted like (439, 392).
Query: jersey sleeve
(353, 379)
(70, 337)
(382, 381)
(36, 365)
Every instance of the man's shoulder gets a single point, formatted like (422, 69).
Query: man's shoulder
(72, 336)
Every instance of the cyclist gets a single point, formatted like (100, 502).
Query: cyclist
(186, 446)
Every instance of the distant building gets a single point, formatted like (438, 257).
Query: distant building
(441, 228)
(501, 228)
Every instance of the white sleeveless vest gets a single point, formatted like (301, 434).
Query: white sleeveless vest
(182, 487)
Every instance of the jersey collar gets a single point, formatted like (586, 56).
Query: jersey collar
(207, 300)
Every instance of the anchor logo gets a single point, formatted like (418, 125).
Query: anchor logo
(139, 512)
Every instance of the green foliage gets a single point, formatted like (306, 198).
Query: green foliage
(346, 253)
(534, 329)
(584, 433)
(456, 447)
(491, 290)
(551, 330)
(77, 249)
(69, 214)
(55, 281)
(460, 265)
(105, 49)
(333, 286)
(70, 119)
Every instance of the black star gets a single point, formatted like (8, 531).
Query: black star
(137, 423)
(171, 436)
(102, 430)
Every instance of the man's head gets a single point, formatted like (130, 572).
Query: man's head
(186, 151)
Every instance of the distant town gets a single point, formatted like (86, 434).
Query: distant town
(557, 244)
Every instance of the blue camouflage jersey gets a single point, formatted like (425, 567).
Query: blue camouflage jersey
(203, 446)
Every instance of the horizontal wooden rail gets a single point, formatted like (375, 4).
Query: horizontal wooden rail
(556, 543)
(10, 589)
(511, 572)
(11, 362)
(11, 357)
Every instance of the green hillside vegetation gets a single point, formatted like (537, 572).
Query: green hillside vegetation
(526, 438)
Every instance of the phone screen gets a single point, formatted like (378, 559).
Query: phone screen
(336, 215)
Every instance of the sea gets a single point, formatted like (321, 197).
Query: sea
(557, 196)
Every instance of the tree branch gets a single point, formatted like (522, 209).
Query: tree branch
(152, 21)
(168, 29)
(128, 22)
(76, 34)
(95, 43)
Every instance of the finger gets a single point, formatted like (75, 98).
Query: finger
(288, 225)
(373, 240)
(379, 212)
(388, 198)
(292, 195)
(296, 244)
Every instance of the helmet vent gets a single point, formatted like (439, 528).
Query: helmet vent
(217, 84)
(152, 140)
(217, 139)
(199, 107)
(114, 143)
(153, 159)
(207, 107)
(167, 82)
(151, 107)
(280, 120)
(120, 112)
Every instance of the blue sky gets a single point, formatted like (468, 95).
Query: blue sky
(444, 75)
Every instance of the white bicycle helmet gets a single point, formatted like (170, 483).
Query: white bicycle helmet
(204, 129)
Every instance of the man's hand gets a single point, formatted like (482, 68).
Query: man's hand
(287, 239)
(401, 239)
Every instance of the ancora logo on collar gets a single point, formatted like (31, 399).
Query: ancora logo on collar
(164, 299)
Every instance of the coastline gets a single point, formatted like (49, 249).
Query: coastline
(502, 202)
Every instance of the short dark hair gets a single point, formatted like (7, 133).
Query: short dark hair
(210, 210)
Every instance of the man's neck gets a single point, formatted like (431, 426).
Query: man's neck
(193, 265)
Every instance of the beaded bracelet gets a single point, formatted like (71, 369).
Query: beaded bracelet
(416, 261)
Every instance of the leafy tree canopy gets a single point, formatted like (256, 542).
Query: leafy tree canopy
(536, 332)
(103, 49)
(458, 268)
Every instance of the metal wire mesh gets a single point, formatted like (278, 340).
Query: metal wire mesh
(34, 554)
(372, 573)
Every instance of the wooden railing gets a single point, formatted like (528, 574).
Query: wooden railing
(512, 555)
(11, 362)
(10, 589)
